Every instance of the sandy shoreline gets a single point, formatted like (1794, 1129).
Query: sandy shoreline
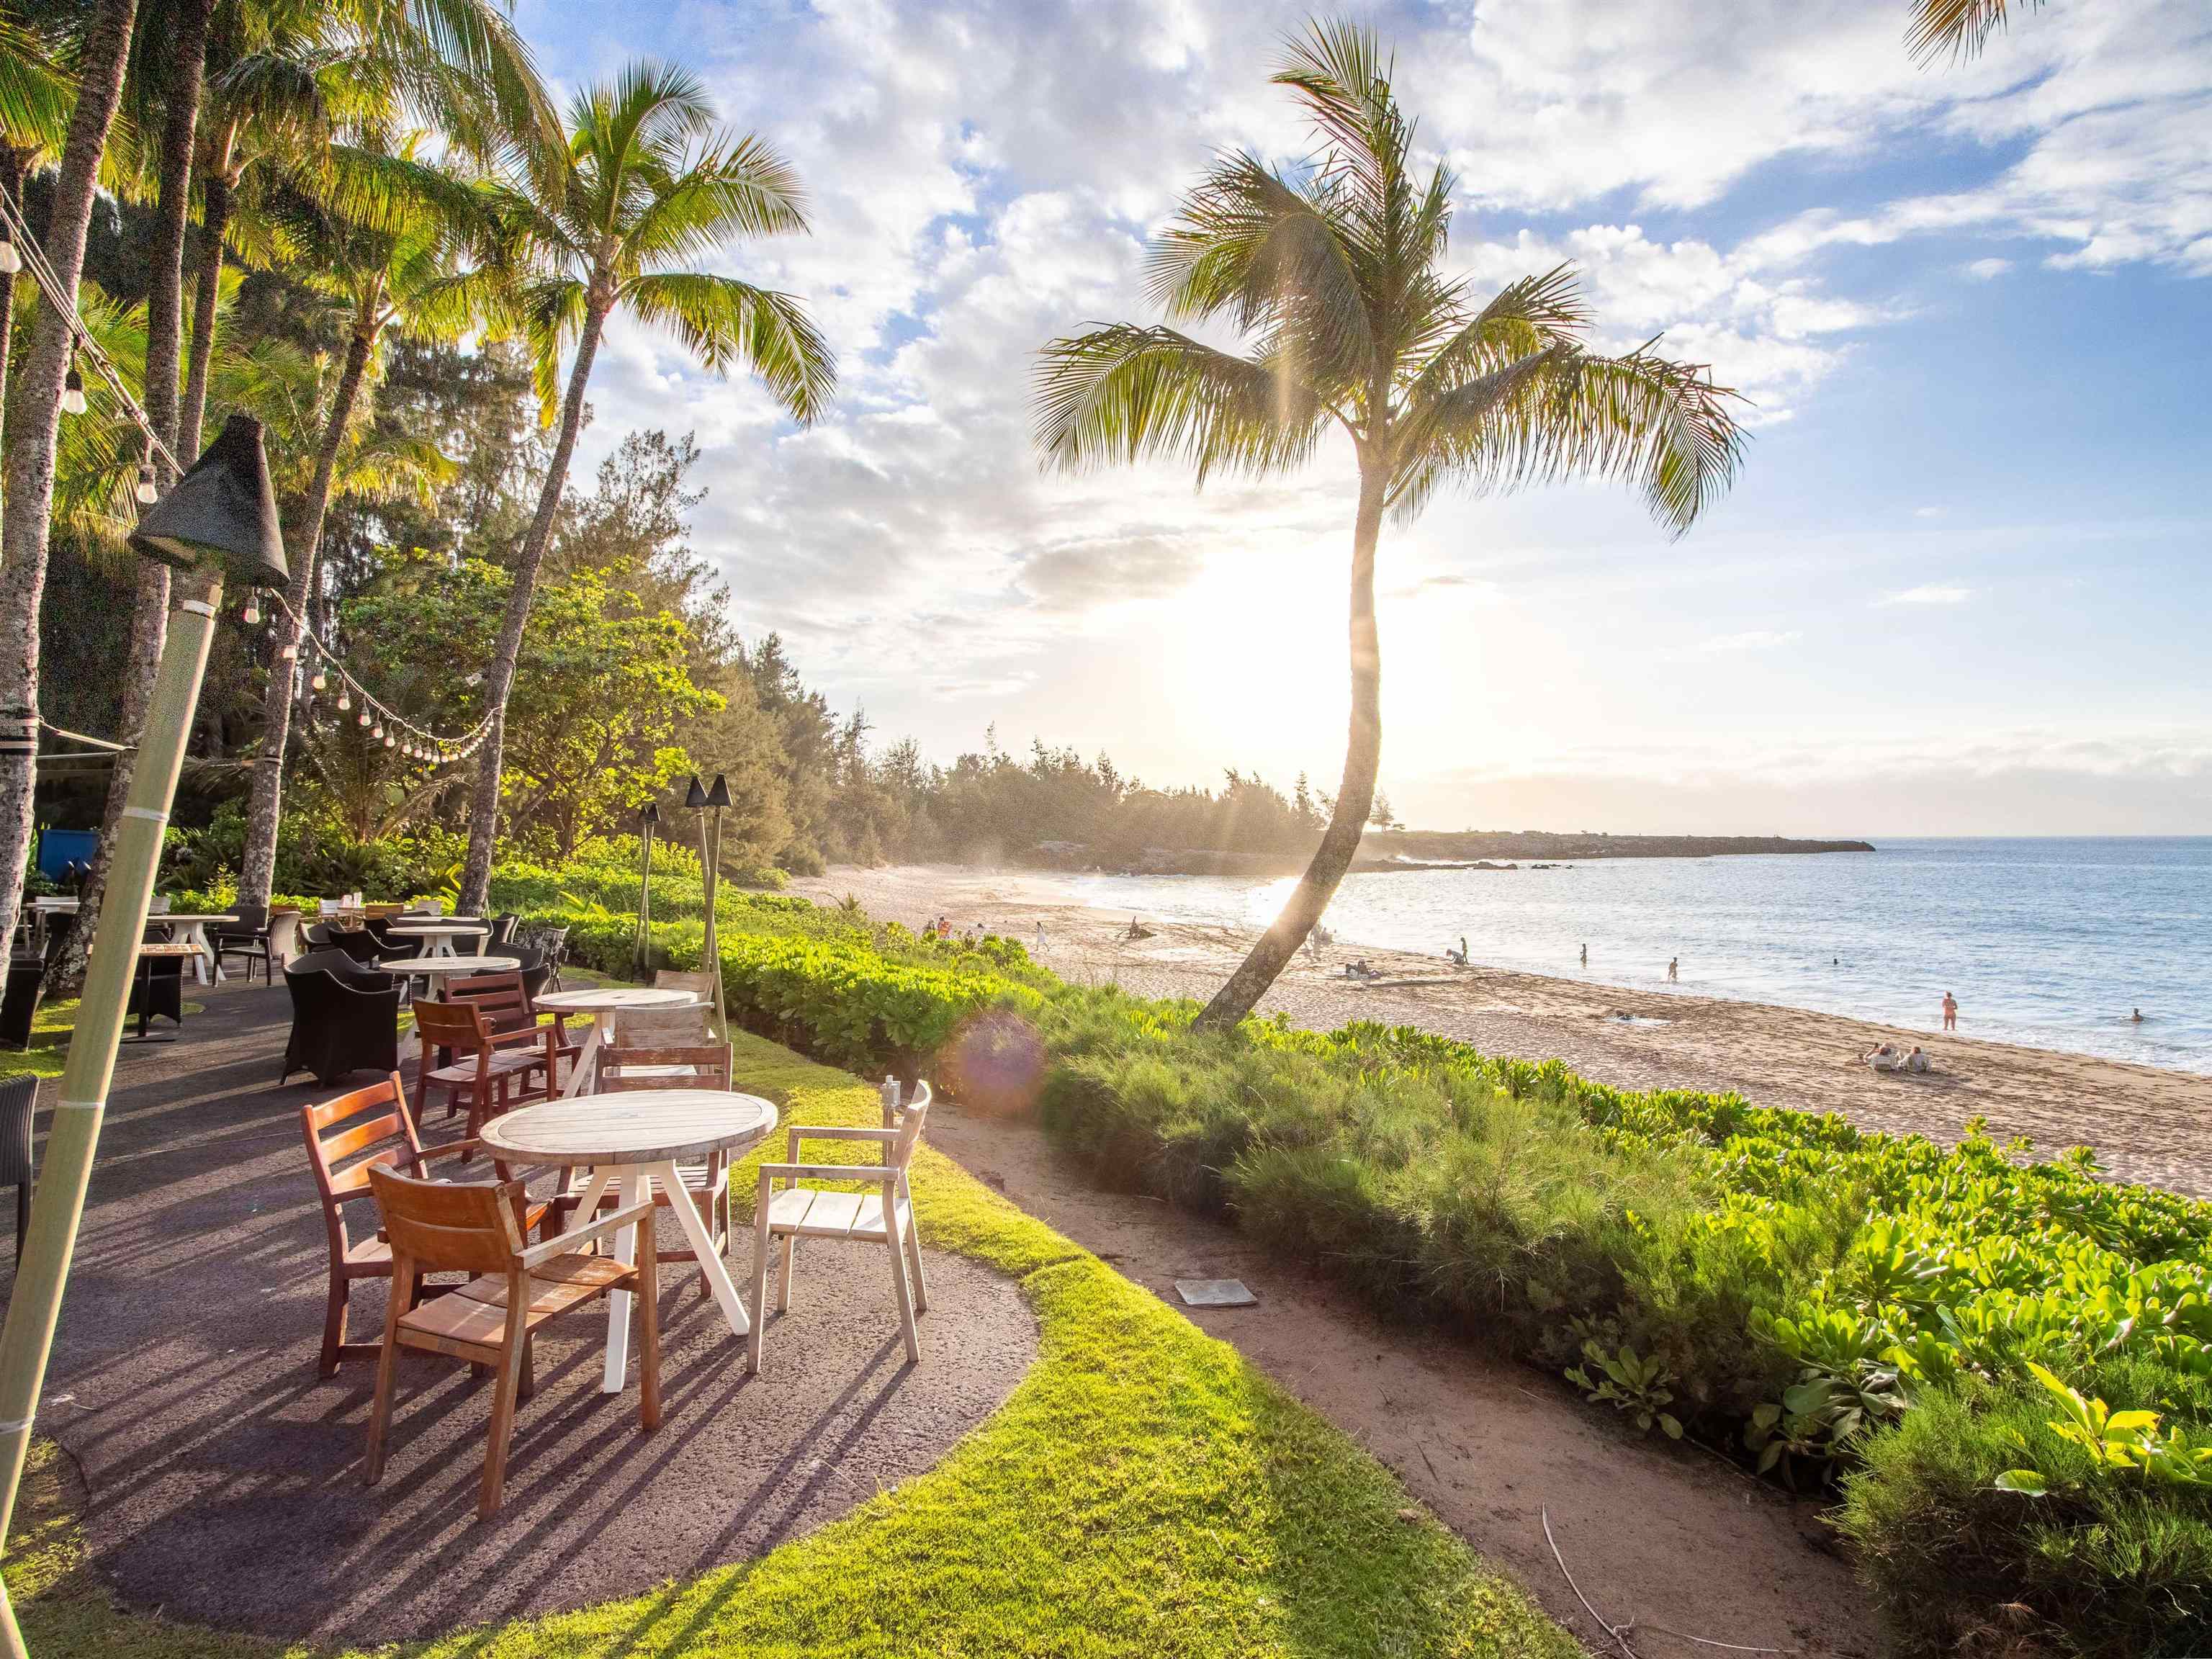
(2147, 1124)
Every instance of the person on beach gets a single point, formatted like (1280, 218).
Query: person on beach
(1883, 1057)
(1040, 943)
(1674, 970)
(1917, 1060)
(1585, 955)
(1950, 1012)
(2136, 1019)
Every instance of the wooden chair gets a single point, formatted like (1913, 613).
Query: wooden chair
(369, 1128)
(886, 1214)
(516, 1288)
(493, 1070)
(702, 1066)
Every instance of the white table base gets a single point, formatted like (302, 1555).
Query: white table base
(194, 933)
(637, 1183)
(583, 1070)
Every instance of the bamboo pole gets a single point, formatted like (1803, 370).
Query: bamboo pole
(73, 1136)
(642, 951)
(710, 862)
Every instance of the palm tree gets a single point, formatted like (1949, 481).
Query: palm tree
(33, 430)
(35, 98)
(1956, 29)
(645, 181)
(1333, 272)
(393, 272)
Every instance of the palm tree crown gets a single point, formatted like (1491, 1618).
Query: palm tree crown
(1331, 271)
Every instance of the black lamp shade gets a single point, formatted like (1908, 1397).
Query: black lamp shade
(224, 510)
(694, 797)
(652, 813)
(719, 794)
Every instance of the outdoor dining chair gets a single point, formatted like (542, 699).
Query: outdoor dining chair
(346, 1138)
(639, 1065)
(345, 1017)
(492, 1071)
(516, 1287)
(248, 937)
(885, 1214)
(19, 1096)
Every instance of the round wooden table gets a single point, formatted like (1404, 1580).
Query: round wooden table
(607, 1001)
(631, 1140)
(433, 968)
(441, 934)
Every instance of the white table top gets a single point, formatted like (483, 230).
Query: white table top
(643, 1125)
(55, 901)
(449, 964)
(189, 915)
(597, 999)
(437, 927)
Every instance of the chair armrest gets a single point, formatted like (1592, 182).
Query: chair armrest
(451, 1149)
(866, 1172)
(520, 1034)
(538, 1255)
(881, 1137)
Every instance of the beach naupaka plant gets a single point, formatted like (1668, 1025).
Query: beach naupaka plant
(1332, 271)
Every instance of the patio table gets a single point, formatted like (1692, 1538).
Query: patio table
(607, 1002)
(631, 1141)
(144, 970)
(440, 935)
(191, 929)
(434, 970)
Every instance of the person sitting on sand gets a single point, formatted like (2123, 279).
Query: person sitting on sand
(1883, 1057)
(1917, 1060)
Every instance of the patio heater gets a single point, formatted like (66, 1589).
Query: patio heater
(219, 520)
(709, 804)
(648, 821)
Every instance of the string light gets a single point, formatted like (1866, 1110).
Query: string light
(73, 388)
(10, 261)
(321, 682)
(364, 717)
(252, 614)
(148, 490)
(345, 701)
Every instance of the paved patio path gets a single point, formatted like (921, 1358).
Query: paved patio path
(222, 1473)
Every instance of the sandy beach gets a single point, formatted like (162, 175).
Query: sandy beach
(2147, 1125)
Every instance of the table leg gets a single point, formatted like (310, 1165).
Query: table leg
(701, 1239)
(637, 1187)
(586, 1062)
(209, 961)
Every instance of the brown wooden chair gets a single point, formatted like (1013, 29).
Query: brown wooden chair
(504, 998)
(517, 1287)
(492, 1071)
(886, 1215)
(703, 1066)
(347, 1137)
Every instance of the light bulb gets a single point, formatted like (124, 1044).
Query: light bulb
(389, 742)
(10, 261)
(345, 701)
(289, 653)
(73, 391)
(251, 615)
(321, 680)
(364, 717)
(377, 731)
(148, 491)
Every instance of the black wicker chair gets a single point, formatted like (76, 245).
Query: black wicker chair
(18, 1006)
(344, 1018)
(536, 972)
(18, 1096)
(248, 937)
(502, 935)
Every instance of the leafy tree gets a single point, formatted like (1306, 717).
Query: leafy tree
(1332, 269)
(643, 183)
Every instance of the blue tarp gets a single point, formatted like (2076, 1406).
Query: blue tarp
(59, 847)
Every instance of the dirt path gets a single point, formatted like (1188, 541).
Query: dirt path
(1666, 1536)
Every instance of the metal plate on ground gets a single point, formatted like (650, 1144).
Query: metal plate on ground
(1215, 1293)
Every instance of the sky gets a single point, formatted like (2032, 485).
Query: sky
(1960, 587)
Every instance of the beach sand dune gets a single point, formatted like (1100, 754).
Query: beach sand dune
(2147, 1125)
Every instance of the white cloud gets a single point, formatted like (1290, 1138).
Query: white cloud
(1928, 593)
(1984, 271)
(1756, 638)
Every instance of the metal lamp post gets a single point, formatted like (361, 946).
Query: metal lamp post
(220, 520)
(709, 804)
(648, 821)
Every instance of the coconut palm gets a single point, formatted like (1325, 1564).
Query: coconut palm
(646, 181)
(391, 272)
(1333, 272)
(1956, 29)
(35, 99)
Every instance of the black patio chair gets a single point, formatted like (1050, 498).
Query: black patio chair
(536, 972)
(18, 1097)
(248, 937)
(502, 935)
(18, 1006)
(344, 1018)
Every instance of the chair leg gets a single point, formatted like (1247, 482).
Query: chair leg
(761, 1244)
(905, 1299)
(22, 1215)
(527, 1388)
(783, 1273)
(914, 1260)
(334, 1324)
(502, 1411)
(380, 1415)
(648, 1328)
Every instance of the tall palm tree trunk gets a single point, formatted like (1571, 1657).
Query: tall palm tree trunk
(165, 329)
(264, 805)
(207, 287)
(34, 431)
(483, 802)
(14, 164)
(1355, 796)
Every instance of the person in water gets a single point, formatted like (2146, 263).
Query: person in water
(1585, 955)
(1950, 1012)
(2136, 1019)
(1674, 970)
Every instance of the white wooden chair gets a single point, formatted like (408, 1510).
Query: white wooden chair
(886, 1214)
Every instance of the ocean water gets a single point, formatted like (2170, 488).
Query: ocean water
(2048, 942)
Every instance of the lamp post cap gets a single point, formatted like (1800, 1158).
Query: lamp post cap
(695, 796)
(719, 794)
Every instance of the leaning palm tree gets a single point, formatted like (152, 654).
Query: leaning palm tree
(1333, 271)
(646, 181)
(391, 271)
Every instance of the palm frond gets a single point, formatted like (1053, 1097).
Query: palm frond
(740, 188)
(725, 322)
(1121, 392)
(1956, 28)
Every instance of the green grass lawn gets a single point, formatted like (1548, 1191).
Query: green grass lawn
(50, 1035)
(1144, 1491)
